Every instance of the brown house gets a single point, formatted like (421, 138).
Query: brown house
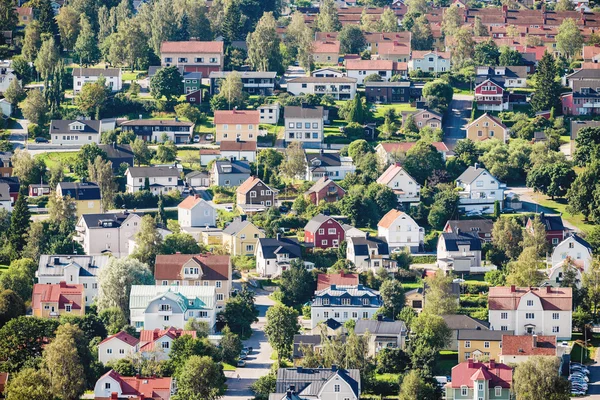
(324, 190)
(424, 118)
(487, 127)
(254, 195)
(6, 166)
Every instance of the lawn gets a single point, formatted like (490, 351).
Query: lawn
(53, 158)
(3, 268)
(559, 206)
(185, 156)
(381, 108)
(227, 367)
(411, 285)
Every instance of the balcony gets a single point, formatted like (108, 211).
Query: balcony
(259, 85)
(591, 105)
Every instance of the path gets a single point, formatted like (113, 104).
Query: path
(456, 117)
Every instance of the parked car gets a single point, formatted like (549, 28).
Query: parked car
(196, 138)
(241, 364)
(243, 356)
(248, 350)
(41, 140)
(209, 137)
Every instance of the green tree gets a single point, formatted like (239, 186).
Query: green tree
(422, 37)
(115, 281)
(231, 345)
(45, 16)
(430, 334)
(200, 378)
(114, 319)
(479, 29)
(451, 21)
(327, 19)
(464, 46)
(92, 98)
(148, 242)
(440, 298)
(183, 243)
(167, 82)
(231, 25)
(389, 21)
(392, 295)
(547, 89)
(553, 180)
(569, 39)
(537, 238)
(413, 384)
(166, 152)
(23, 341)
(507, 236)
(352, 40)
(536, 378)
(486, 53)
(86, 155)
(11, 305)
(86, 45)
(525, 271)
(101, 172)
(294, 164)
(14, 93)
(62, 210)
(32, 41)
(263, 45)
(34, 108)
(422, 160)
(240, 312)
(8, 15)
(438, 95)
(297, 284)
(356, 112)
(264, 386)
(19, 223)
(29, 383)
(587, 145)
(68, 25)
(282, 325)
(591, 287)
(564, 5)
(580, 196)
(141, 153)
(509, 57)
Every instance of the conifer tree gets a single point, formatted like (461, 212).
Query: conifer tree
(547, 93)
(19, 223)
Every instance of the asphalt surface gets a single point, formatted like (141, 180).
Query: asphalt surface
(18, 133)
(456, 118)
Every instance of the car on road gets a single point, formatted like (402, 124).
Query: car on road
(508, 210)
(243, 356)
(241, 364)
(473, 213)
(196, 138)
(41, 140)
(209, 137)
(283, 209)
(247, 350)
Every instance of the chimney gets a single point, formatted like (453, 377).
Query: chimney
(476, 165)
(470, 363)
(196, 196)
(512, 288)
(333, 368)
(332, 287)
(243, 217)
(62, 284)
(534, 337)
(492, 364)
(279, 236)
(379, 317)
(114, 396)
(298, 369)
(548, 289)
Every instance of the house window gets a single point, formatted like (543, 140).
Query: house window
(220, 297)
(354, 314)
(331, 231)
(486, 345)
(326, 314)
(504, 315)
(336, 388)
(107, 385)
(480, 386)
(366, 302)
(503, 328)
(345, 302)
(365, 315)
(108, 351)
(321, 231)
(165, 345)
(555, 315)
(529, 315)
(555, 329)
(467, 355)
(323, 242)
(463, 390)
(68, 308)
(498, 391)
(467, 344)
(249, 248)
(529, 303)
(326, 301)
(166, 318)
(218, 284)
(555, 241)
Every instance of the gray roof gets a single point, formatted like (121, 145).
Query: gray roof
(323, 79)
(237, 167)
(459, 321)
(321, 184)
(117, 151)
(54, 265)
(236, 225)
(244, 74)
(577, 125)
(271, 247)
(470, 174)
(5, 155)
(585, 74)
(146, 172)
(379, 327)
(97, 220)
(326, 159)
(192, 75)
(309, 381)
(96, 71)
(580, 240)
(388, 84)
(80, 190)
(153, 69)
(453, 240)
(194, 174)
(62, 126)
(203, 297)
(316, 222)
(303, 111)
(475, 226)
(362, 245)
(482, 334)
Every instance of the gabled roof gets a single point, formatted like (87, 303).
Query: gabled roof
(490, 117)
(472, 173)
(145, 388)
(250, 183)
(201, 297)
(551, 222)
(149, 337)
(322, 183)
(363, 245)
(496, 374)
(61, 126)
(379, 327)
(393, 47)
(213, 267)
(271, 247)
(326, 46)
(191, 46)
(460, 321)
(234, 145)
(80, 190)
(590, 52)
(304, 111)
(149, 172)
(95, 220)
(509, 297)
(237, 117)
(422, 53)
(326, 280)
(475, 226)
(492, 81)
(391, 216)
(96, 72)
(391, 172)
(60, 293)
(310, 381)
(453, 240)
(379, 65)
(315, 223)
(124, 337)
(117, 151)
(236, 226)
(528, 345)
(55, 264)
(235, 166)
(192, 201)
(324, 160)
(482, 334)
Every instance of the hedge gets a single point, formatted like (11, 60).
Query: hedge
(474, 287)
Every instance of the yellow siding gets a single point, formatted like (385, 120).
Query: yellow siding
(493, 350)
(88, 207)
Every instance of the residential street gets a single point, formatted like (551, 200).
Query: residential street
(18, 133)
(456, 117)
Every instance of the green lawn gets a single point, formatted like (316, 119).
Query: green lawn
(3, 268)
(560, 206)
(381, 108)
(53, 158)
(448, 359)
(228, 367)
(411, 285)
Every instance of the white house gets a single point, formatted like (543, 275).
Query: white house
(529, 310)
(304, 123)
(195, 211)
(158, 343)
(112, 77)
(6, 108)
(159, 179)
(460, 252)
(340, 88)
(370, 253)
(116, 347)
(79, 131)
(331, 165)
(404, 186)
(153, 306)
(7, 75)
(343, 303)
(269, 113)
(479, 190)
(360, 69)
(107, 233)
(430, 61)
(400, 231)
(575, 250)
(317, 384)
(327, 73)
(274, 255)
(133, 387)
(72, 269)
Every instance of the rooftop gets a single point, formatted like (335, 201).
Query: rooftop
(212, 267)
(191, 46)
(326, 280)
(237, 117)
(528, 345)
(509, 297)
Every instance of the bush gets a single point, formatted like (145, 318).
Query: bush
(475, 287)
(145, 199)
(306, 311)
(34, 130)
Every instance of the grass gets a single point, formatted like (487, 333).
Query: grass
(3, 268)
(448, 359)
(381, 108)
(411, 285)
(560, 206)
(227, 367)
(462, 91)
(53, 158)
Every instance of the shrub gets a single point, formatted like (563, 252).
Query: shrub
(474, 287)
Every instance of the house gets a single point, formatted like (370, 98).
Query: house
(507, 77)
(194, 97)
(14, 187)
(39, 189)
(370, 253)
(400, 231)
(236, 125)
(230, 173)
(480, 227)
(158, 343)
(208, 155)
(388, 92)
(343, 303)
(192, 83)
(484, 381)
(317, 384)
(76, 131)
(382, 334)
(160, 130)
(269, 113)
(118, 154)
(240, 237)
(112, 78)
(555, 230)
(254, 195)
(193, 56)
(156, 179)
(491, 96)
(324, 231)
(392, 152)
(423, 118)
(432, 62)
(116, 347)
(238, 150)
(197, 179)
(312, 341)
(7, 75)
(341, 279)
(5, 199)
(487, 127)
(25, 15)
(480, 344)
(404, 186)
(87, 196)
(274, 255)
(113, 386)
(72, 269)
(6, 107)
(323, 164)
(360, 69)
(576, 126)
(459, 251)
(573, 250)
(326, 51)
(342, 88)
(518, 348)
(304, 124)
(392, 50)
(530, 310)
(6, 166)
(591, 53)
(415, 299)
(107, 233)
(195, 211)
(324, 190)
(254, 82)
(54, 300)
(327, 72)
(195, 270)
(459, 322)
(156, 306)
(479, 190)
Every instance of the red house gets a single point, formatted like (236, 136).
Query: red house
(324, 232)
(555, 230)
(194, 97)
(324, 189)
(490, 96)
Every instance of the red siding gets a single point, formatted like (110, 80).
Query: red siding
(317, 238)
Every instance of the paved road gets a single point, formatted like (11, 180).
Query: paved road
(594, 383)
(259, 362)
(456, 117)
(18, 133)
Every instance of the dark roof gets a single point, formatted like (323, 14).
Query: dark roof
(5, 155)
(95, 220)
(472, 225)
(156, 122)
(482, 334)
(316, 222)
(96, 71)
(117, 151)
(80, 190)
(146, 172)
(237, 167)
(585, 74)
(13, 183)
(577, 125)
(194, 174)
(62, 126)
(332, 324)
(388, 84)
(362, 245)
(271, 247)
(470, 174)
(323, 79)
(303, 111)
(310, 381)
(379, 327)
(453, 240)
(552, 222)
(243, 74)
(459, 321)
(582, 242)
(325, 159)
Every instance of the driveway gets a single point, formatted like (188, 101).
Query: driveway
(594, 383)
(18, 133)
(456, 117)
(258, 362)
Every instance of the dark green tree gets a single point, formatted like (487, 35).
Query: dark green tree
(167, 82)
(486, 53)
(392, 295)
(356, 113)
(45, 16)
(231, 345)
(232, 21)
(551, 179)
(509, 57)
(297, 284)
(19, 223)
(547, 88)
(352, 40)
(588, 145)
(11, 306)
(240, 312)
(87, 154)
(23, 341)
(421, 160)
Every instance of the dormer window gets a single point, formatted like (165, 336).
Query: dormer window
(325, 301)
(76, 126)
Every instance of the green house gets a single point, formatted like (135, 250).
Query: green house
(480, 381)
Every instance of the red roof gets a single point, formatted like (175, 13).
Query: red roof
(528, 345)
(390, 173)
(389, 218)
(465, 373)
(124, 337)
(60, 293)
(508, 297)
(248, 184)
(380, 65)
(590, 52)
(190, 202)
(213, 267)
(326, 46)
(237, 117)
(393, 48)
(145, 388)
(326, 280)
(234, 145)
(3, 381)
(208, 152)
(147, 337)
(191, 46)
(391, 147)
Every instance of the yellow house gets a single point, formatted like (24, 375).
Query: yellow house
(414, 299)
(487, 127)
(86, 195)
(52, 301)
(240, 237)
(236, 125)
(480, 344)
(326, 51)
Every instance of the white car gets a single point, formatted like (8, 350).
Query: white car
(209, 137)
(196, 138)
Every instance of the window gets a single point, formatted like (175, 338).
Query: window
(336, 315)
(503, 328)
(498, 391)
(326, 314)
(467, 355)
(326, 301)
(345, 302)
(467, 344)
(108, 351)
(166, 318)
(323, 242)
(331, 231)
(504, 315)
(365, 315)
(554, 241)
(480, 386)
(365, 302)
(555, 329)
(486, 345)
(291, 125)
(336, 388)
(68, 308)
(555, 315)
(529, 303)
(220, 297)
(107, 385)
(354, 314)
(321, 231)
(218, 284)
(164, 345)
(529, 315)
(463, 390)
(249, 248)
